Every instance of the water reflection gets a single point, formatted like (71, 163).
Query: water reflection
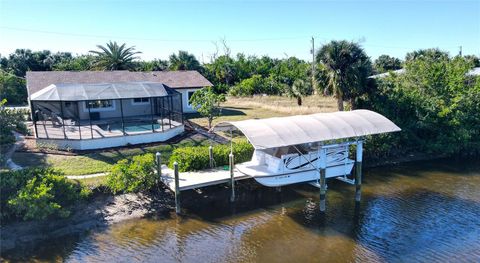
(417, 212)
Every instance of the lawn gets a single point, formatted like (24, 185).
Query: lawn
(235, 109)
(92, 182)
(101, 161)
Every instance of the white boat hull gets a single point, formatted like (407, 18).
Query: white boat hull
(262, 176)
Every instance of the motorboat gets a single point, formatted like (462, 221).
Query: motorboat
(285, 165)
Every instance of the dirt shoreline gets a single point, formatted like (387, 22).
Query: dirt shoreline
(99, 212)
(104, 210)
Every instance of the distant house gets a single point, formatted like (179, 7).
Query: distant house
(473, 72)
(97, 109)
(383, 75)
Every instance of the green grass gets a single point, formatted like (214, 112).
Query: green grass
(101, 161)
(92, 182)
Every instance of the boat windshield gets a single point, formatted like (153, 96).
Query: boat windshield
(278, 152)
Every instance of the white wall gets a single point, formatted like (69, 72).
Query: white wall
(186, 107)
(129, 109)
(108, 142)
(134, 110)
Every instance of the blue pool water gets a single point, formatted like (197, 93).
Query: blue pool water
(131, 127)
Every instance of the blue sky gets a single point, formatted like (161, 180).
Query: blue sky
(275, 28)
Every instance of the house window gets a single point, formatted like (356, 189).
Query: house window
(140, 101)
(189, 96)
(100, 105)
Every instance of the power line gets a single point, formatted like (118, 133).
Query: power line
(199, 40)
(148, 39)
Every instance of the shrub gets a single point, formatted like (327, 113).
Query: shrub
(132, 175)
(10, 120)
(38, 194)
(196, 158)
(247, 87)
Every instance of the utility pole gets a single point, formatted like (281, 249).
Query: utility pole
(460, 54)
(314, 86)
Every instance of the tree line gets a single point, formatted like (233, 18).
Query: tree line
(341, 68)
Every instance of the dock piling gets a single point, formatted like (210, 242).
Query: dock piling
(358, 172)
(210, 156)
(177, 188)
(323, 179)
(159, 164)
(232, 177)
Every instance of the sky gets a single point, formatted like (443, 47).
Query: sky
(274, 28)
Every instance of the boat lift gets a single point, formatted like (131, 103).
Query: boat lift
(278, 159)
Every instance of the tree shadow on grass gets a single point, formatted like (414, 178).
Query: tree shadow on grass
(30, 160)
(230, 111)
(234, 111)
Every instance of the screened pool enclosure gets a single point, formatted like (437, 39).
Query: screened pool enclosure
(96, 111)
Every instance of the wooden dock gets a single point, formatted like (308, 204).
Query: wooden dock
(198, 179)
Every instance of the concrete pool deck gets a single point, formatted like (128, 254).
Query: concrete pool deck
(99, 130)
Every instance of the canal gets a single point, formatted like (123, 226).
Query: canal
(421, 212)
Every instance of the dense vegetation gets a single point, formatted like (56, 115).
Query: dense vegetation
(10, 120)
(435, 102)
(38, 194)
(250, 75)
(197, 157)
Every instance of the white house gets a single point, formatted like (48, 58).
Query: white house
(186, 82)
(98, 109)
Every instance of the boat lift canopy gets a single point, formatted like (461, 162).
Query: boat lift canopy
(300, 129)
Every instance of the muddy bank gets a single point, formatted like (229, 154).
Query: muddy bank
(100, 212)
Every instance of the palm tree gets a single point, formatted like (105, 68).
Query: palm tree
(299, 89)
(345, 68)
(184, 61)
(115, 57)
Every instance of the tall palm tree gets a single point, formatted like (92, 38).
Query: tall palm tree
(115, 57)
(345, 68)
(184, 61)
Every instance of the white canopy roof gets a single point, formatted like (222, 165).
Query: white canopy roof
(292, 130)
(101, 91)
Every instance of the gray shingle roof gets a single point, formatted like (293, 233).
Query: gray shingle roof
(37, 80)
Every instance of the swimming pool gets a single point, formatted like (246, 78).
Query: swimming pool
(130, 127)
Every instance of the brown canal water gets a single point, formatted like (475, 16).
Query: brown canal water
(417, 212)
